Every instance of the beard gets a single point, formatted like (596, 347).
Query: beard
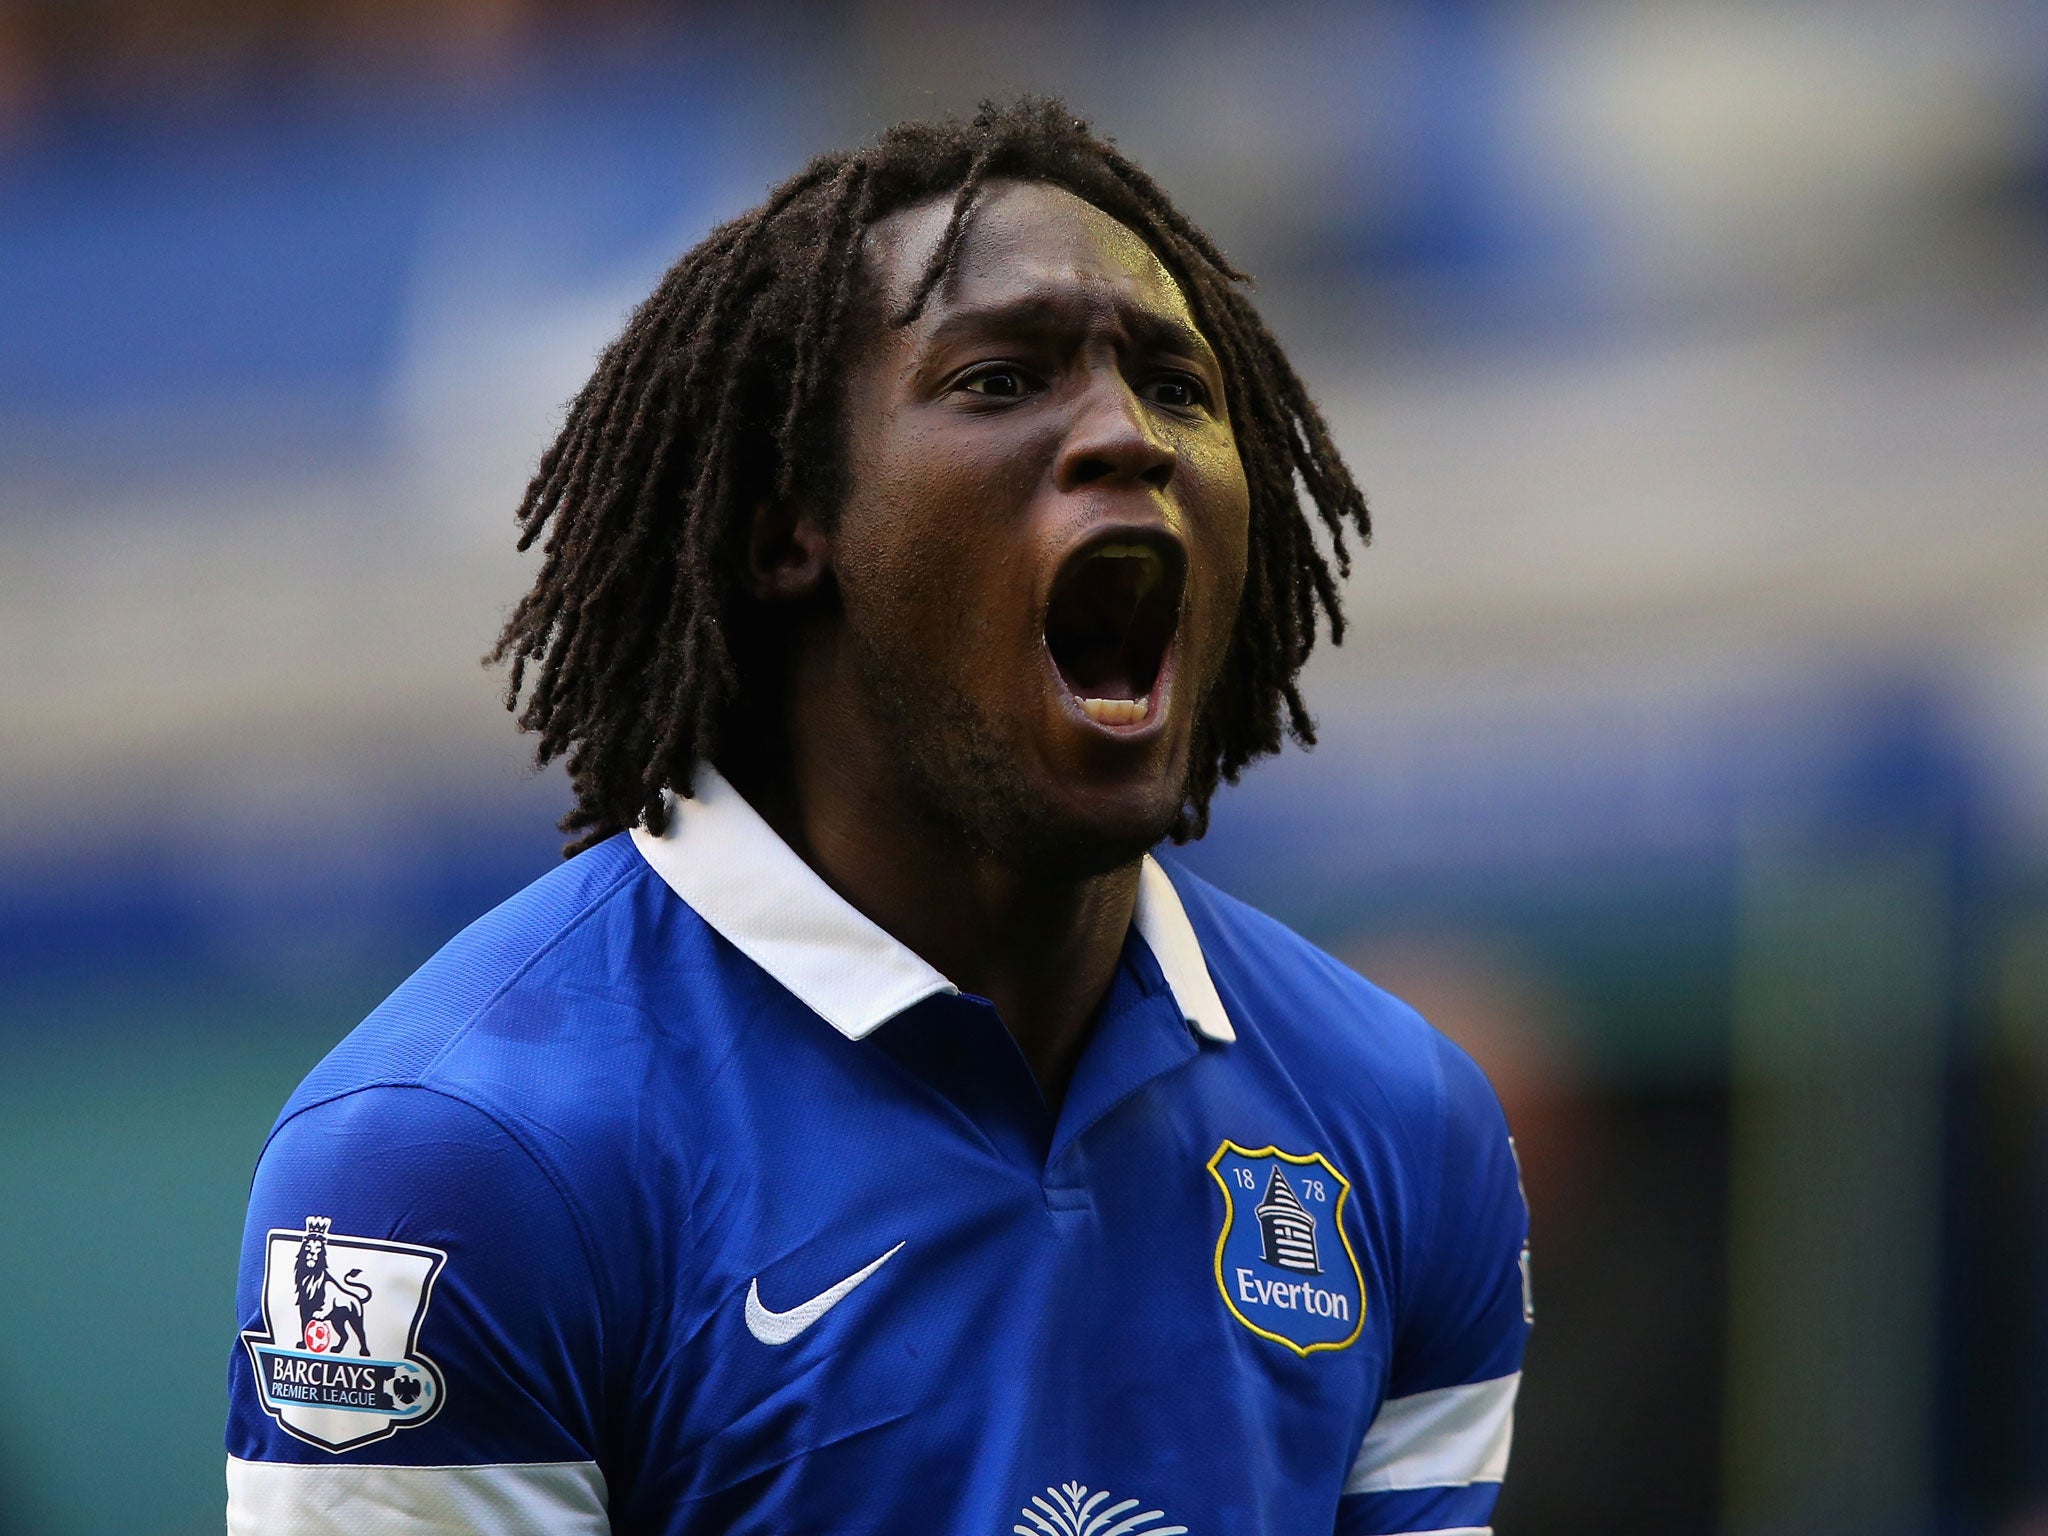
(966, 780)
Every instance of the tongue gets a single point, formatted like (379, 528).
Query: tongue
(1096, 672)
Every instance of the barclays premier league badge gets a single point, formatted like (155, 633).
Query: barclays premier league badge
(336, 1361)
(1283, 1260)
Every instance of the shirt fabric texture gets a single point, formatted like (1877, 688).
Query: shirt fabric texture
(560, 1236)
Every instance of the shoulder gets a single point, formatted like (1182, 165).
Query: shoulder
(1315, 1014)
(579, 981)
(491, 1100)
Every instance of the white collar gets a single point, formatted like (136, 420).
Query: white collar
(746, 882)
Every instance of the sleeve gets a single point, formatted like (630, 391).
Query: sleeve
(1434, 1456)
(421, 1345)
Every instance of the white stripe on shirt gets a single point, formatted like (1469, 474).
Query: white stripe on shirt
(1447, 1438)
(276, 1498)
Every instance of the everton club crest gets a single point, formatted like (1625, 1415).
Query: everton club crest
(1283, 1260)
(336, 1361)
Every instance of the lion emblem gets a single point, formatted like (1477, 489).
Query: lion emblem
(330, 1305)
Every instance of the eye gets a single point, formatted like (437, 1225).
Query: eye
(998, 381)
(1177, 391)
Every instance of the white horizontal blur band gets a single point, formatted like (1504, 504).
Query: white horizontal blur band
(1449, 1438)
(545, 1498)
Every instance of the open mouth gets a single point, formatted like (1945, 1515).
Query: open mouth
(1110, 624)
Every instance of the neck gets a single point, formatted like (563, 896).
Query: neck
(1042, 949)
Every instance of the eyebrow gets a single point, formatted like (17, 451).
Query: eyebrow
(1051, 309)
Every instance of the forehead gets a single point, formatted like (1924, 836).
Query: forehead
(1024, 238)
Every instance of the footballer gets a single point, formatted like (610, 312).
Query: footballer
(864, 1131)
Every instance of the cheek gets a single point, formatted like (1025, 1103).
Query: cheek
(926, 542)
(1219, 530)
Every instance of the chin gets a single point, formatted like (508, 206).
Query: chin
(1064, 833)
(1035, 791)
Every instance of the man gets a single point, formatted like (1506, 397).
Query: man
(862, 1132)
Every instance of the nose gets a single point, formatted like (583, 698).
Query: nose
(1113, 441)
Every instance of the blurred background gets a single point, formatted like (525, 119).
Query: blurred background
(1688, 759)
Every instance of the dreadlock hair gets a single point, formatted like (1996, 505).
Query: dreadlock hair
(725, 388)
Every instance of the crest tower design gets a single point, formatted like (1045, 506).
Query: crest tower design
(1287, 1230)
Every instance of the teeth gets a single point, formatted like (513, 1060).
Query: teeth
(1117, 711)
(1149, 570)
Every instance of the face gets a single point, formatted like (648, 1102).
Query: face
(1041, 546)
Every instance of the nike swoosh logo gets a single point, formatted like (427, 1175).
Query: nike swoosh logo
(781, 1327)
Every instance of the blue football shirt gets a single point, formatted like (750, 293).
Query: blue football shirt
(674, 1196)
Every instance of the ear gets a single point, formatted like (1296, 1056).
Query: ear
(788, 555)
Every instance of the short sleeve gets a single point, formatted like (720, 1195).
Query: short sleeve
(421, 1345)
(1435, 1454)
